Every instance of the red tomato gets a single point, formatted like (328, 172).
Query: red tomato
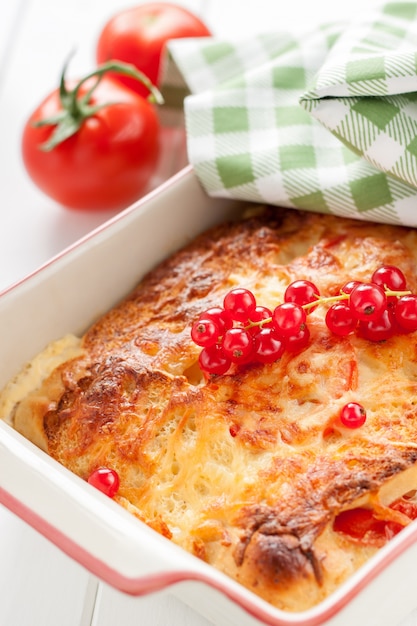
(138, 35)
(362, 525)
(110, 158)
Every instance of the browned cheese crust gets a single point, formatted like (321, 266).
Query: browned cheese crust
(259, 503)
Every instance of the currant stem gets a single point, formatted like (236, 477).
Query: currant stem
(345, 296)
(251, 324)
(398, 294)
(327, 300)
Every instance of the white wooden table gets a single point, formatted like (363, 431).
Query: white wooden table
(39, 585)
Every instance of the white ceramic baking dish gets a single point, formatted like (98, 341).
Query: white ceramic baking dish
(66, 295)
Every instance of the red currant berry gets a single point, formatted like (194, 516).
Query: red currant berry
(288, 318)
(205, 332)
(367, 301)
(240, 304)
(349, 286)
(340, 319)
(295, 343)
(406, 312)
(389, 277)
(237, 344)
(380, 329)
(105, 480)
(212, 360)
(302, 292)
(260, 314)
(353, 415)
(268, 347)
(219, 316)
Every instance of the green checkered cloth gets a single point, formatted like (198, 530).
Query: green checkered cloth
(323, 121)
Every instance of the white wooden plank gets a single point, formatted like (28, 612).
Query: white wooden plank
(10, 13)
(40, 585)
(159, 609)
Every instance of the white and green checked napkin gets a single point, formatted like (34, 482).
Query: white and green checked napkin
(324, 121)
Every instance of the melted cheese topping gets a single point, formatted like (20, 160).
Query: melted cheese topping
(25, 385)
(247, 470)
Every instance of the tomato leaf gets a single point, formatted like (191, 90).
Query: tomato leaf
(67, 127)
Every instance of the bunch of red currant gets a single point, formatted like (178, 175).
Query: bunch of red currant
(242, 331)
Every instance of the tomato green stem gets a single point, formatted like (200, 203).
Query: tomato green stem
(126, 69)
(76, 109)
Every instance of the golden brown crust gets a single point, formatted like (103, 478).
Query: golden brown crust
(247, 471)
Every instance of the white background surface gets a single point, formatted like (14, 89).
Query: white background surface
(39, 585)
